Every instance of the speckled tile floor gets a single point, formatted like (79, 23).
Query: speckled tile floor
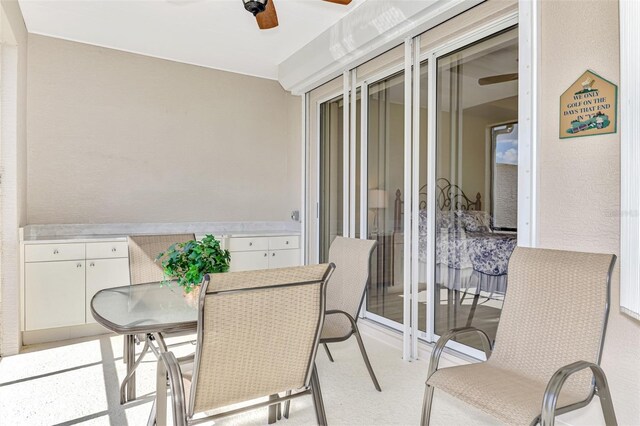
(76, 382)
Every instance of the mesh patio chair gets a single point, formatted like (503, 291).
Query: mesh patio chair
(345, 294)
(258, 334)
(548, 343)
(143, 268)
(143, 250)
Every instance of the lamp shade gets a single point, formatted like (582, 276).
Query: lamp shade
(377, 199)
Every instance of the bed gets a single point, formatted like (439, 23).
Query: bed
(470, 254)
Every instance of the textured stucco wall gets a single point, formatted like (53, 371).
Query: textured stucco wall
(13, 160)
(118, 137)
(579, 187)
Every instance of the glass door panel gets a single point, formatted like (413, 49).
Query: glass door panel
(476, 176)
(421, 202)
(385, 175)
(331, 175)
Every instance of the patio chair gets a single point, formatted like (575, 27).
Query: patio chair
(345, 294)
(143, 268)
(548, 343)
(258, 334)
(143, 250)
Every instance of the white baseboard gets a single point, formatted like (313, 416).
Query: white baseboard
(62, 333)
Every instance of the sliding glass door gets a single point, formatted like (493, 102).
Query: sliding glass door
(425, 162)
(385, 176)
(476, 183)
(332, 179)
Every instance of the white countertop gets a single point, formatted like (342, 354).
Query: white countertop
(79, 233)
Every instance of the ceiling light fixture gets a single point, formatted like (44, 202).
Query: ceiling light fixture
(255, 6)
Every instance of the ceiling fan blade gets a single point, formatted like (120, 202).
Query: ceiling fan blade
(267, 19)
(344, 2)
(502, 78)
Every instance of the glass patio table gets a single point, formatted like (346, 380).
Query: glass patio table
(143, 309)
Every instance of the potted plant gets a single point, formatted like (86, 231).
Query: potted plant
(188, 262)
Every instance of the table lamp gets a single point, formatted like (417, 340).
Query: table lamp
(377, 201)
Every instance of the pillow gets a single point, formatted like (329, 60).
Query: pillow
(474, 220)
(444, 220)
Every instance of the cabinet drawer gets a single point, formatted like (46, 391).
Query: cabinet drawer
(283, 243)
(248, 244)
(53, 252)
(107, 250)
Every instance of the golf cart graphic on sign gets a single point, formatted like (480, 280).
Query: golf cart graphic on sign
(598, 121)
(588, 107)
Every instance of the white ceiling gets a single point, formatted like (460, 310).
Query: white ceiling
(217, 34)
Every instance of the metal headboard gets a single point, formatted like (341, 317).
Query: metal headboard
(448, 197)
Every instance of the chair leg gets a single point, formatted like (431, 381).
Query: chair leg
(160, 402)
(365, 357)
(152, 415)
(605, 398)
(472, 312)
(287, 405)
(326, 348)
(321, 416)
(426, 406)
(273, 411)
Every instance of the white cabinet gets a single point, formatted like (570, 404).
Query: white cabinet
(54, 294)
(101, 274)
(252, 253)
(61, 278)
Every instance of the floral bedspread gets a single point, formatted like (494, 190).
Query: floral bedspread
(485, 251)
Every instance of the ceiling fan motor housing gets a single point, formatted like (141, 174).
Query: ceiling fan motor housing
(255, 6)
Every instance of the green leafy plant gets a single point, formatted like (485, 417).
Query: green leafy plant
(188, 262)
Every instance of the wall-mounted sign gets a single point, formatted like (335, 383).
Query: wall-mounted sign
(589, 107)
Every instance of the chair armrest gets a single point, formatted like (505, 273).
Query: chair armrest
(556, 382)
(337, 311)
(168, 366)
(351, 319)
(442, 341)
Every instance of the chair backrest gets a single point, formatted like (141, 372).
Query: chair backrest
(555, 313)
(352, 258)
(143, 250)
(258, 334)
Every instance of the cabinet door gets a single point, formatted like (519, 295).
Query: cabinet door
(54, 294)
(284, 258)
(104, 273)
(248, 260)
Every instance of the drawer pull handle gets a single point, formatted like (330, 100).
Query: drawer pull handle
(287, 242)
(92, 264)
(273, 254)
(79, 265)
(55, 251)
(265, 255)
(114, 249)
(250, 243)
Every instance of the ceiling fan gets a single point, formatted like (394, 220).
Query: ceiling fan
(500, 78)
(265, 11)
